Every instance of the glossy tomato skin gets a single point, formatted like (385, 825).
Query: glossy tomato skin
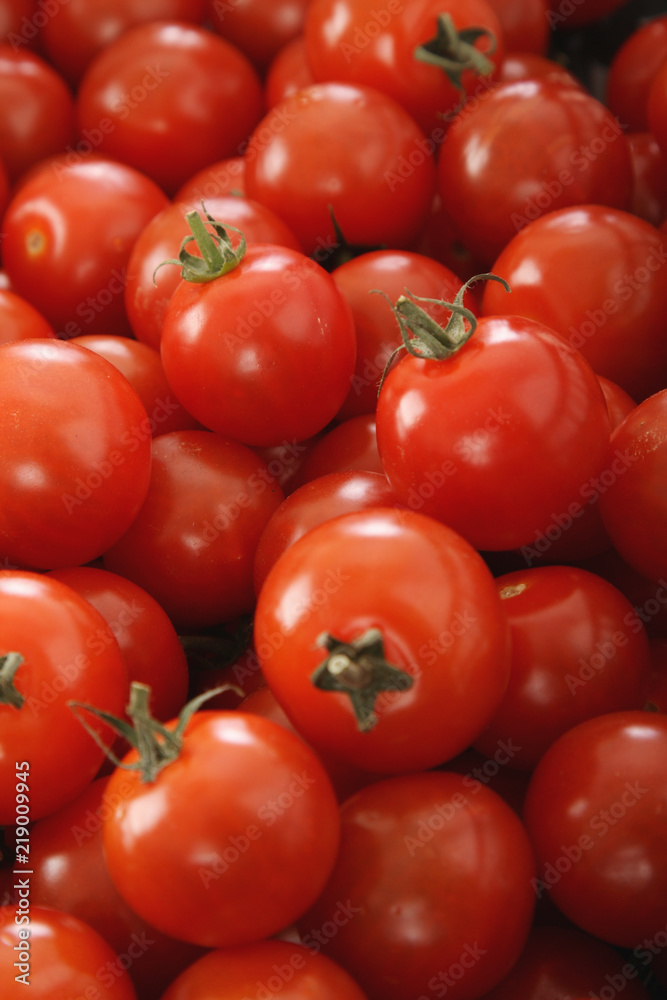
(257, 27)
(79, 29)
(241, 354)
(193, 542)
(433, 600)
(215, 180)
(61, 950)
(19, 320)
(353, 41)
(632, 71)
(161, 81)
(289, 71)
(529, 65)
(601, 791)
(92, 212)
(147, 293)
(69, 654)
(238, 971)
(251, 854)
(77, 463)
(611, 264)
(578, 651)
(440, 868)
(554, 146)
(634, 508)
(454, 433)
(345, 447)
(524, 25)
(649, 165)
(303, 157)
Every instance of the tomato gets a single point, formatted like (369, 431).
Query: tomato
(269, 965)
(315, 502)
(379, 587)
(357, 42)
(575, 13)
(19, 320)
(65, 651)
(16, 22)
(530, 65)
(284, 460)
(148, 641)
(247, 336)
(59, 950)
(289, 72)
(431, 889)
(554, 145)
(596, 812)
(254, 832)
(151, 96)
(142, 367)
(68, 236)
(258, 27)
(193, 542)
(524, 25)
(610, 262)
(147, 294)
(656, 107)
(578, 651)
(619, 403)
(348, 447)
(632, 71)
(303, 157)
(377, 332)
(511, 415)
(634, 506)
(79, 29)
(77, 464)
(214, 181)
(649, 164)
(37, 116)
(70, 874)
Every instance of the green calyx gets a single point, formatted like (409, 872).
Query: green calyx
(454, 52)
(359, 670)
(9, 694)
(218, 256)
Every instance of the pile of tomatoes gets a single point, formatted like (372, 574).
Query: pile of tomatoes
(333, 499)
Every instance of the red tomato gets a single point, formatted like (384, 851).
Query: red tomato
(619, 403)
(632, 71)
(284, 460)
(68, 235)
(258, 27)
(65, 651)
(319, 500)
(36, 110)
(578, 651)
(59, 950)
(253, 852)
(247, 336)
(431, 889)
(17, 22)
(289, 72)
(214, 181)
(610, 262)
(357, 42)
(19, 320)
(303, 161)
(348, 447)
(193, 542)
(454, 432)
(147, 294)
(299, 973)
(78, 29)
(76, 466)
(649, 165)
(634, 507)
(656, 108)
(151, 96)
(554, 146)
(596, 810)
(530, 66)
(383, 587)
(524, 24)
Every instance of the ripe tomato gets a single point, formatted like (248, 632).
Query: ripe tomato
(303, 161)
(431, 890)
(65, 651)
(346, 447)
(254, 832)
(656, 107)
(68, 235)
(76, 449)
(59, 950)
(19, 320)
(530, 66)
(150, 99)
(554, 145)
(596, 812)
(524, 25)
(289, 71)
(258, 27)
(215, 180)
(383, 587)
(632, 71)
(649, 165)
(248, 337)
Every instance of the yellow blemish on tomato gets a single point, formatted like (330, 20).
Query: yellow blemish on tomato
(35, 242)
(512, 591)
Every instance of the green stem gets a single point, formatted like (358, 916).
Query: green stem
(9, 694)
(218, 256)
(454, 52)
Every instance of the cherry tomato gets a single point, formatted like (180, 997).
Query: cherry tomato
(632, 71)
(289, 72)
(407, 605)
(259, 28)
(649, 165)
(619, 403)
(350, 446)
(596, 810)
(151, 97)
(656, 108)
(19, 320)
(76, 464)
(68, 237)
(254, 832)
(216, 180)
(59, 648)
(431, 889)
(530, 65)
(193, 542)
(302, 161)
(523, 24)
(16, 22)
